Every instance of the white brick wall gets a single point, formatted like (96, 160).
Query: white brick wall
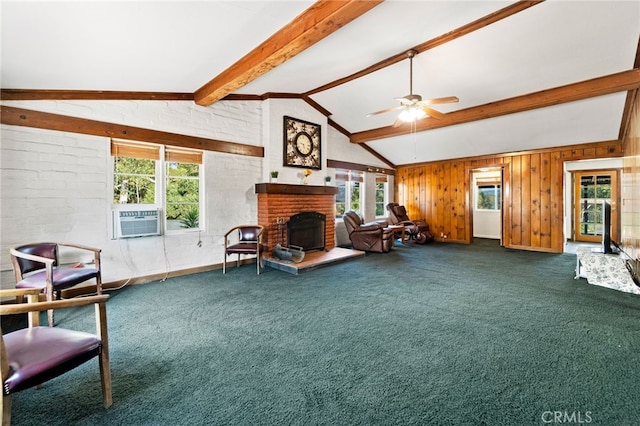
(57, 186)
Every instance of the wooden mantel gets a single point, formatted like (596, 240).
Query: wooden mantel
(283, 188)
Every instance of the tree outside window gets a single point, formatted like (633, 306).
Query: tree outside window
(381, 195)
(183, 195)
(134, 181)
(139, 180)
(488, 197)
(349, 195)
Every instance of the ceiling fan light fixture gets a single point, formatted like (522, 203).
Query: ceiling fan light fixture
(411, 114)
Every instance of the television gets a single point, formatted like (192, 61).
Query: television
(606, 230)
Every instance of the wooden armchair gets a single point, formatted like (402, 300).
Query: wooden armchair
(36, 265)
(33, 355)
(245, 240)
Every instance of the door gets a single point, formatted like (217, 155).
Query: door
(487, 203)
(592, 188)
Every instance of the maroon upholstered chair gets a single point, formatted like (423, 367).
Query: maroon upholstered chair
(371, 236)
(243, 240)
(418, 230)
(31, 356)
(37, 266)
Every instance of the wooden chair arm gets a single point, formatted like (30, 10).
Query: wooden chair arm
(96, 251)
(13, 292)
(22, 308)
(80, 246)
(243, 226)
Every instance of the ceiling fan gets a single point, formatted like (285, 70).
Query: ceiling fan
(412, 106)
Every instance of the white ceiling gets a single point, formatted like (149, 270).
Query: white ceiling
(176, 46)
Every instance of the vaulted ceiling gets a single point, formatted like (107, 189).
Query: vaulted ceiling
(527, 74)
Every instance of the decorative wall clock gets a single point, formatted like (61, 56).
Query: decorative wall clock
(301, 144)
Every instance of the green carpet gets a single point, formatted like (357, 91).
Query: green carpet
(441, 334)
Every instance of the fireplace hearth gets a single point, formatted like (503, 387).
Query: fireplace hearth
(307, 230)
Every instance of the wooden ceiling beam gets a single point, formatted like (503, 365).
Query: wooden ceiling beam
(478, 24)
(619, 82)
(322, 19)
(63, 123)
(99, 95)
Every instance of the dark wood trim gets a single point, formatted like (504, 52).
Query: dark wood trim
(317, 22)
(283, 188)
(338, 127)
(280, 95)
(622, 81)
(241, 97)
(629, 102)
(91, 95)
(613, 148)
(430, 44)
(626, 114)
(360, 167)
(377, 155)
(63, 123)
(317, 106)
(364, 146)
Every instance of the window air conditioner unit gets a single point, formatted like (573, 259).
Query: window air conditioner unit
(136, 223)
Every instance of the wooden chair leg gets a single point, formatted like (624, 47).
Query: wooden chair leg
(104, 362)
(6, 410)
(99, 284)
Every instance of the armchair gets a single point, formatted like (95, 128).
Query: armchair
(37, 266)
(418, 230)
(34, 355)
(371, 236)
(243, 239)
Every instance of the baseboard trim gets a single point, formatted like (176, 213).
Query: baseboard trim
(143, 279)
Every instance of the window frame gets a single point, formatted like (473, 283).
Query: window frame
(497, 195)
(179, 155)
(352, 177)
(384, 180)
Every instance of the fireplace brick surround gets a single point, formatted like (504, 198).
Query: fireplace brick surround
(282, 200)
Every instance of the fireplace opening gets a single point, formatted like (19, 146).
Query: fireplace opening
(306, 230)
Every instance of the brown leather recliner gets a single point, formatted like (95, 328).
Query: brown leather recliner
(418, 230)
(371, 236)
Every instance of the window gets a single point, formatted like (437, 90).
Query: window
(349, 196)
(382, 195)
(134, 173)
(488, 196)
(182, 188)
(161, 176)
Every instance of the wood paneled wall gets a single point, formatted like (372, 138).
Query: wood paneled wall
(630, 205)
(532, 194)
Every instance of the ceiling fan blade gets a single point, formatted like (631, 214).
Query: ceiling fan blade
(385, 110)
(433, 113)
(435, 101)
(397, 123)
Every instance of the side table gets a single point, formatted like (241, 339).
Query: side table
(398, 229)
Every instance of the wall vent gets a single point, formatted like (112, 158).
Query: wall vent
(136, 223)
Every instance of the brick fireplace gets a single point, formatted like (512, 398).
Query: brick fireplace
(277, 200)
